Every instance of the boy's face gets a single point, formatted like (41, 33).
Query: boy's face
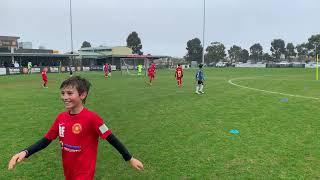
(71, 97)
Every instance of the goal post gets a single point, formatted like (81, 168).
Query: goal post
(317, 68)
(133, 66)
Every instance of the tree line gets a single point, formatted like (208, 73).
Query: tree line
(216, 51)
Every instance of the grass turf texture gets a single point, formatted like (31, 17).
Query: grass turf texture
(174, 132)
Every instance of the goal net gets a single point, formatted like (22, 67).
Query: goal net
(133, 66)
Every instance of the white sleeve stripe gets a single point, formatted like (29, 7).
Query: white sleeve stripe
(103, 128)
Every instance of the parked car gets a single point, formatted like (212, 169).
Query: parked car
(221, 64)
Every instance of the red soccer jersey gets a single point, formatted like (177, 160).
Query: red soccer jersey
(44, 75)
(79, 135)
(153, 67)
(179, 72)
(106, 68)
(150, 71)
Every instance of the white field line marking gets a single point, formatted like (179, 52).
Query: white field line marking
(271, 92)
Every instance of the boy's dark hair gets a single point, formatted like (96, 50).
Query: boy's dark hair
(81, 84)
(200, 66)
(179, 64)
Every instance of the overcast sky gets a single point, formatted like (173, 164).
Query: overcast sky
(164, 26)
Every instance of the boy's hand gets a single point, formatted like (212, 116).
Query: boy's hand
(135, 163)
(16, 158)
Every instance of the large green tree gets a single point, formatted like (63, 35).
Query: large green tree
(266, 57)
(314, 44)
(194, 48)
(302, 50)
(256, 52)
(134, 42)
(215, 52)
(244, 55)
(290, 51)
(235, 53)
(85, 44)
(277, 48)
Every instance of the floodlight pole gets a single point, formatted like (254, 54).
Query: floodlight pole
(71, 35)
(317, 60)
(203, 30)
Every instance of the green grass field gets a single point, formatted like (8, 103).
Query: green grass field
(174, 132)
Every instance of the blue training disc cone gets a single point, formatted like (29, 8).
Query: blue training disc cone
(234, 131)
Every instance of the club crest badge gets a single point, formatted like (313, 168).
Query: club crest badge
(76, 128)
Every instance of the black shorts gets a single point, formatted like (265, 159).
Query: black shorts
(200, 82)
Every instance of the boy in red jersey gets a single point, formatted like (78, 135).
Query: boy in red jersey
(179, 75)
(151, 71)
(106, 70)
(44, 77)
(79, 130)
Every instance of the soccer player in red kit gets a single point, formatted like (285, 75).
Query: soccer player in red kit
(179, 75)
(153, 65)
(78, 130)
(44, 77)
(151, 71)
(106, 70)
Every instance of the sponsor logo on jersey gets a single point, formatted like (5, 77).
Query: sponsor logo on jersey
(61, 130)
(70, 148)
